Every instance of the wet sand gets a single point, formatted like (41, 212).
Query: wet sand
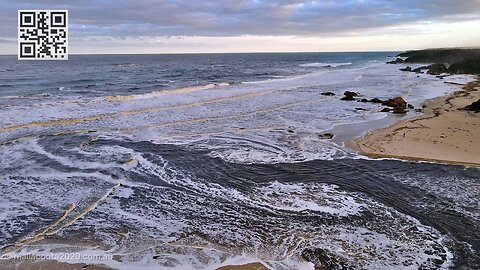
(444, 133)
(248, 266)
(47, 264)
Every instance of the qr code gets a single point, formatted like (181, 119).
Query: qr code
(43, 34)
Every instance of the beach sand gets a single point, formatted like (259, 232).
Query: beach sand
(50, 264)
(249, 266)
(47, 264)
(442, 134)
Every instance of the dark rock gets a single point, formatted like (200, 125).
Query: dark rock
(406, 69)
(399, 110)
(326, 136)
(470, 66)
(461, 61)
(385, 110)
(440, 55)
(290, 130)
(424, 106)
(396, 61)
(395, 102)
(475, 106)
(328, 94)
(349, 93)
(376, 100)
(419, 69)
(364, 100)
(324, 259)
(418, 110)
(410, 106)
(437, 69)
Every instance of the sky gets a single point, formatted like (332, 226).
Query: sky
(181, 26)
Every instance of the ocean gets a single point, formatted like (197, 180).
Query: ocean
(205, 160)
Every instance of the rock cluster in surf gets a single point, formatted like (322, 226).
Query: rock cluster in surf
(397, 104)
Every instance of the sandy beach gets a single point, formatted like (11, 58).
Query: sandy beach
(444, 133)
(49, 264)
(249, 266)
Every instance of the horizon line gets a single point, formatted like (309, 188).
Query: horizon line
(266, 52)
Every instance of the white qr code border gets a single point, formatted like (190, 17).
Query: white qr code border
(24, 43)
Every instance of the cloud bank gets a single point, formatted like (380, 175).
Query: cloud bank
(124, 19)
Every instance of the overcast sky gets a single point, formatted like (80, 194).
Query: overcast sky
(168, 26)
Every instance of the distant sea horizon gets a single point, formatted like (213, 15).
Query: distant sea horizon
(173, 53)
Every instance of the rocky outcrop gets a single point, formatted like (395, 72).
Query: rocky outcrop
(399, 110)
(466, 67)
(349, 95)
(475, 107)
(458, 61)
(327, 94)
(396, 61)
(395, 102)
(376, 100)
(348, 98)
(419, 69)
(399, 105)
(440, 55)
(437, 69)
(406, 69)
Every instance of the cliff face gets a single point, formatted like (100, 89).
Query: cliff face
(457, 61)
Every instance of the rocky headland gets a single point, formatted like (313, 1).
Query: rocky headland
(448, 130)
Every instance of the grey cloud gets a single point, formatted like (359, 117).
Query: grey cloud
(122, 18)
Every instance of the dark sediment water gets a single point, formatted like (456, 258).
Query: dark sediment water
(364, 213)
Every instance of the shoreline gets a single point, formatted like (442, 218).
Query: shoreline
(442, 134)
